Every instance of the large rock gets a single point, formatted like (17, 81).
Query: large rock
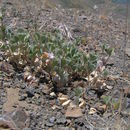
(15, 120)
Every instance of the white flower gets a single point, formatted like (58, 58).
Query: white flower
(51, 55)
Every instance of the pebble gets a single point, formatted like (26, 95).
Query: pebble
(91, 92)
(52, 94)
(30, 93)
(49, 124)
(27, 129)
(52, 119)
(23, 86)
(22, 98)
(64, 128)
(61, 121)
(128, 103)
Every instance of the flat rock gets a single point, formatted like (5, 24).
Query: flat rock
(6, 123)
(73, 112)
(20, 118)
(15, 120)
(12, 99)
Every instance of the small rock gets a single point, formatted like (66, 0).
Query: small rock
(126, 112)
(26, 75)
(79, 122)
(52, 119)
(64, 128)
(27, 129)
(127, 102)
(50, 129)
(30, 93)
(73, 112)
(37, 95)
(91, 92)
(109, 87)
(52, 94)
(61, 121)
(77, 30)
(23, 86)
(22, 98)
(29, 78)
(7, 84)
(49, 124)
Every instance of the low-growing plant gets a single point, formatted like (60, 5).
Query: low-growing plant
(108, 51)
(78, 91)
(57, 55)
(111, 102)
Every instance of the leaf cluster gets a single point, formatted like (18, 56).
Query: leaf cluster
(23, 47)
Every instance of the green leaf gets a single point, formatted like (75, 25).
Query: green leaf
(105, 73)
(93, 57)
(115, 104)
(63, 62)
(103, 47)
(109, 51)
(78, 91)
(106, 99)
(91, 67)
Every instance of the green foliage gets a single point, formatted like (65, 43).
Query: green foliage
(105, 73)
(78, 92)
(107, 50)
(111, 102)
(23, 48)
(106, 99)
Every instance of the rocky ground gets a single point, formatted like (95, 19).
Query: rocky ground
(34, 106)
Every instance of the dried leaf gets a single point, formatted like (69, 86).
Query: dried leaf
(102, 108)
(99, 83)
(109, 87)
(62, 99)
(65, 104)
(82, 104)
(92, 111)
